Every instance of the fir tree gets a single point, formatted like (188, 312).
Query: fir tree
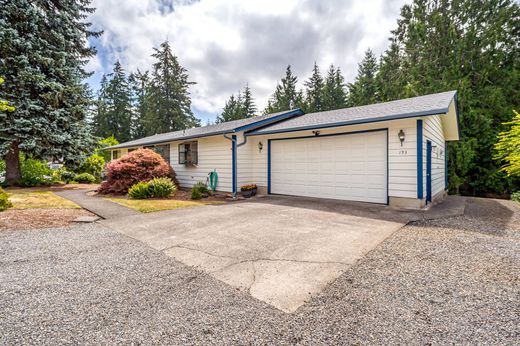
(240, 107)
(334, 95)
(233, 109)
(315, 98)
(43, 45)
(140, 85)
(114, 113)
(285, 96)
(249, 103)
(364, 89)
(169, 99)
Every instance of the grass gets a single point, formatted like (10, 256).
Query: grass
(151, 205)
(30, 199)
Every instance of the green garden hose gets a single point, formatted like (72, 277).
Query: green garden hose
(212, 180)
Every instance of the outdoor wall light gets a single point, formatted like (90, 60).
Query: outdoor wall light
(260, 147)
(401, 136)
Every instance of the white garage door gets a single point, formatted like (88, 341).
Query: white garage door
(349, 167)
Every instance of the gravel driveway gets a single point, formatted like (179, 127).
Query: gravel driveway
(455, 280)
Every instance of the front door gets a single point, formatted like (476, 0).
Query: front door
(428, 171)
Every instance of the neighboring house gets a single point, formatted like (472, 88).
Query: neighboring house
(391, 153)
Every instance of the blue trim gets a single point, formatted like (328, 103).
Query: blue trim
(268, 121)
(234, 163)
(354, 122)
(419, 159)
(269, 166)
(446, 165)
(387, 170)
(428, 171)
(327, 135)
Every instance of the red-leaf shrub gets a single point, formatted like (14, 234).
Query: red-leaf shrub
(139, 165)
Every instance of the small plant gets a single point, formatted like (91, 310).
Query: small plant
(4, 200)
(515, 196)
(85, 178)
(249, 187)
(195, 193)
(140, 190)
(161, 187)
(199, 190)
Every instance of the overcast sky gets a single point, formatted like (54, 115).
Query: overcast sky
(225, 44)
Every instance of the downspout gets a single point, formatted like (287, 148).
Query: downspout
(233, 140)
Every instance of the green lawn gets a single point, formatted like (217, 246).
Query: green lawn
(31, 199)
(151, 205)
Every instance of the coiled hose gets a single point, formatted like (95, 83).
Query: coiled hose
(212, 180)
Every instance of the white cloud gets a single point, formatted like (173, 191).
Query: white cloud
(225, 44)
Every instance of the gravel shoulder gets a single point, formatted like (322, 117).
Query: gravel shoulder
(453, 280)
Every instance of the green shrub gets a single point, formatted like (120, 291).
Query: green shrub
(161, 187)
(196, 194)
(34, 173)
(94, 164)
(515, 196)
(65, 175)
(85, 178)
(4, 200)
(140, 190)
(199, 190)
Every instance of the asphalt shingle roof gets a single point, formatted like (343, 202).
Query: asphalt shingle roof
(405, 108)
(211, 130)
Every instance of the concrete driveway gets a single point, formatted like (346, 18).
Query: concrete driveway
(282, 250)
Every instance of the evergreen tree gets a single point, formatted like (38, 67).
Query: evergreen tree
(168, 98)
(249, 103)
(140, 85)
(240, 107)
(285, 96)
(334, 95)
(470, 46)
(43, 49)
(364, 89)
(233, 109)
(114, 113)
(315, 98)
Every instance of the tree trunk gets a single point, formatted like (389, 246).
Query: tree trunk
(12, 165)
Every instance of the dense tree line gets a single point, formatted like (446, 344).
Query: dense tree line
(238, 107)
(145, 103)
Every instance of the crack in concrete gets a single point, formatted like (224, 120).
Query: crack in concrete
(259, 259)
(254, 278)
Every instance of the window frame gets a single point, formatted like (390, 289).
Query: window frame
(189, 154)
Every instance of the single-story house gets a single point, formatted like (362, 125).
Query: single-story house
(391, 153)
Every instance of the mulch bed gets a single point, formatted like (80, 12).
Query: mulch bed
(179, 195)
(17, 219)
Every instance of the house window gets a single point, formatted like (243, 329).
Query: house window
(188, 153)
(164, 151)
(116, 154)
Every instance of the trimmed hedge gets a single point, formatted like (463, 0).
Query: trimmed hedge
(157, 187)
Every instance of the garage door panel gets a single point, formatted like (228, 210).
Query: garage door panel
(349, 167)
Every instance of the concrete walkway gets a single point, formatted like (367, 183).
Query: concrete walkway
(99, 206)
